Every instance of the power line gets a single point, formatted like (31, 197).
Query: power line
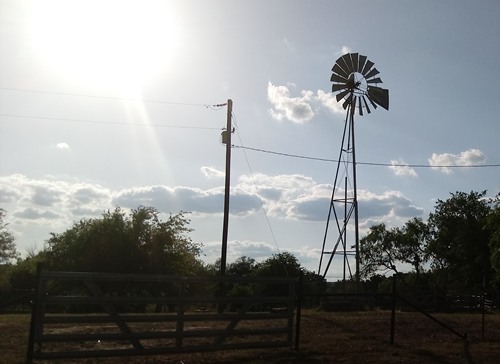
(364, 163)
(257, 189)
(107, 122)
(107, 97)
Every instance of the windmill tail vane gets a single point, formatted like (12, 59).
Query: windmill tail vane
(355, 79)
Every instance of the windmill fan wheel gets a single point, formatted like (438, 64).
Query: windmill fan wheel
(354, 78)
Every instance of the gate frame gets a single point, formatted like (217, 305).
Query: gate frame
(43, 298)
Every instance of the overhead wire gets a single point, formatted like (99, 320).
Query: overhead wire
(106, 97)
(257, 189)
(213, 107)
(365, 163)
(107, 122)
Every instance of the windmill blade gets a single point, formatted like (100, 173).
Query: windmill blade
(374, 80)
(372, 73)
(348, 62)
(368, 65)
(343, 65)
(371, 102)
(360, 106)
(342, 94)
(338, 70)
(338, 86)
(379, 95)
(361, 64)
(354, 103)
(338, 78)
(351, 82)
(366, 104)
(347, 101)
(354, 60)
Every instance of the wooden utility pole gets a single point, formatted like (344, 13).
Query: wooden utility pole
(226, 139)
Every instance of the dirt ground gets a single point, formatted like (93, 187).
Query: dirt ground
(326, 337)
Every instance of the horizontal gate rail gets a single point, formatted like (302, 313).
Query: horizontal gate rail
(91, 315)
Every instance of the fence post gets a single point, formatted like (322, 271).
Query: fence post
(393, 309)
(35, 312)
(299, 312)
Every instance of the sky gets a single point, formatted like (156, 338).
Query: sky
(115, 103)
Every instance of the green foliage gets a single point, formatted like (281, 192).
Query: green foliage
(493, 226)
(280, 265)
(382, 249)
(242, 267)
(136, 243)
(459, 243)
(378, 251)
(411, 243)
(22, 276)
(8, 250)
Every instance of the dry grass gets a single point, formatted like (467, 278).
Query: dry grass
(326, 337)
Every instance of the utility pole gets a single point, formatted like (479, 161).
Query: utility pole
(226, 139)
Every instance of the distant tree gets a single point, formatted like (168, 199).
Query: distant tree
(8, 250)
(378, 251)
(459, 244)
(411, 244)
(284, 264)
(242, 267)
(137, 243)
(383, 250)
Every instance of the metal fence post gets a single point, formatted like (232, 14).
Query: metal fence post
(299, 312)
(393, 309)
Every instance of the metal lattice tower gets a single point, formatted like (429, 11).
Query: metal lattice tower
(355, 83)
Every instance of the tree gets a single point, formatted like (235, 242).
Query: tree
(411, 244)
(378, 251)
(459, 243)
(493, 226)
(242, 267)
(8, 250)
(283, 264)
(137, 243)
(383, 249)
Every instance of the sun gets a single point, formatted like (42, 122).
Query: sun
(105, 43)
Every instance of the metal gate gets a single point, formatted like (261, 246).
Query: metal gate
(85, 315)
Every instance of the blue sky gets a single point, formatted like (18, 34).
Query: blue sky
(106, 103)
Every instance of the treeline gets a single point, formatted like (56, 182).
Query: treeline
(456, 252)
(135, 242)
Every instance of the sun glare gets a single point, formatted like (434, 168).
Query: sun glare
(105, 43)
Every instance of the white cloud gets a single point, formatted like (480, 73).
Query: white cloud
(173, 199)
(62, 146)
(36, 214)
(36, 207)
(346, 49)
(329, 100)
(302, 108)
(296, 109)
(258, 250)
(400, 168)
(468, 158)
(212, 173)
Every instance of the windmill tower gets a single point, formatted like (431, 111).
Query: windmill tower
(355, 82)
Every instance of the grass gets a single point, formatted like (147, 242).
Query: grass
(326, 337)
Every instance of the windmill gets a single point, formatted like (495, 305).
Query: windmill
(356, 83)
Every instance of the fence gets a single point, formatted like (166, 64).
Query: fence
(90, 315)
(363, 301)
